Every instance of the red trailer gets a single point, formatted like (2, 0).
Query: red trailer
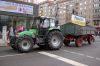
(77, 33)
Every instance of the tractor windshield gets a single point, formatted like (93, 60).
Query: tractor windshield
(46, 23)
(36, 23)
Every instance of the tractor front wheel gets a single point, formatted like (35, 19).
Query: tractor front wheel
(25, 44)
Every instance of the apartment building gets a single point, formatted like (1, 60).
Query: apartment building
(60, 9)
(89, 9)
(96, 14)
(29, 1)
(85, 10)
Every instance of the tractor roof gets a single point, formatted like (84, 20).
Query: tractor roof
(44, 17)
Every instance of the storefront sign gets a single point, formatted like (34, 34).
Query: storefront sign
(78, 20)
(16, 7)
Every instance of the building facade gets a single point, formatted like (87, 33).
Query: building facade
(89, 9)
(60, 9)
(19, 13)
(96, 14)
(85, 10)
(28, 1)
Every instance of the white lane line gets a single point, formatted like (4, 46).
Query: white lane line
(11, 55)
(74, 63)
(98, 59)
(89, 56)
(74, 52)
(82, 55)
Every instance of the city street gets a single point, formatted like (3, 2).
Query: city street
(33, 27)
(87, 55)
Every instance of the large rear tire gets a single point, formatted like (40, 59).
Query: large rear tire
(25, 44)
(55, 40)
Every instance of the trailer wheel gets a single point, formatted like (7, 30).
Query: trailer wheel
(90, 40)
(25, 44)
(66, 42)
(55, 40)
(78, 42)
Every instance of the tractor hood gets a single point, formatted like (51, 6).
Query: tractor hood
(30, 32)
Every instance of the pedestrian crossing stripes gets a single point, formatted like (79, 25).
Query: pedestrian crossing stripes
(72, 62)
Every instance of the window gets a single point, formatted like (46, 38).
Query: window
(96, 0)
(96, 22)
(45, 24)
(96, 5)
(98, 29)
(96, 16)
(85, 2)
(29, 1)
(97, 11)
(84, 7)
(52, 23)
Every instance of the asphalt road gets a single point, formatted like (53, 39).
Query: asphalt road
(87, 55)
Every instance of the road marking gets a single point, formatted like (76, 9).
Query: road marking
(74, 63)
(82, 55)
(98, 59)
(89, 56)
(11, 55)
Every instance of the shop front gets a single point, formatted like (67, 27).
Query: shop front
(15, 13)
(97, 30)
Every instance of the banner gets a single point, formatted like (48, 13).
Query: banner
(16, 7)
(78, 20)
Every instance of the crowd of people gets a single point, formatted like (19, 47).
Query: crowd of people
(12, 30)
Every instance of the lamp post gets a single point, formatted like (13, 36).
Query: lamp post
(56, 9)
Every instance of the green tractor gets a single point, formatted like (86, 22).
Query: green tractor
(45, 32)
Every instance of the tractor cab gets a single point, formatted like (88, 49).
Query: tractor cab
(44, 24)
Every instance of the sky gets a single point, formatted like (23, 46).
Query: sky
(38, 1)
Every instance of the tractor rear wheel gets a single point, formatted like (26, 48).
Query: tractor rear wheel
(55, 40)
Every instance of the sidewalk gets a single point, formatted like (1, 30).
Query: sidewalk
(97, 38)
(2, 43)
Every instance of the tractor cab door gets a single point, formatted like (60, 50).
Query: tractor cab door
(44, 26)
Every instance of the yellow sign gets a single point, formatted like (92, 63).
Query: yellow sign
(78, 20)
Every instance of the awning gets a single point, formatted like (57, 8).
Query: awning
(97, 26)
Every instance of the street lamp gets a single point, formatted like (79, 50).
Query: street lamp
(56, 9)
